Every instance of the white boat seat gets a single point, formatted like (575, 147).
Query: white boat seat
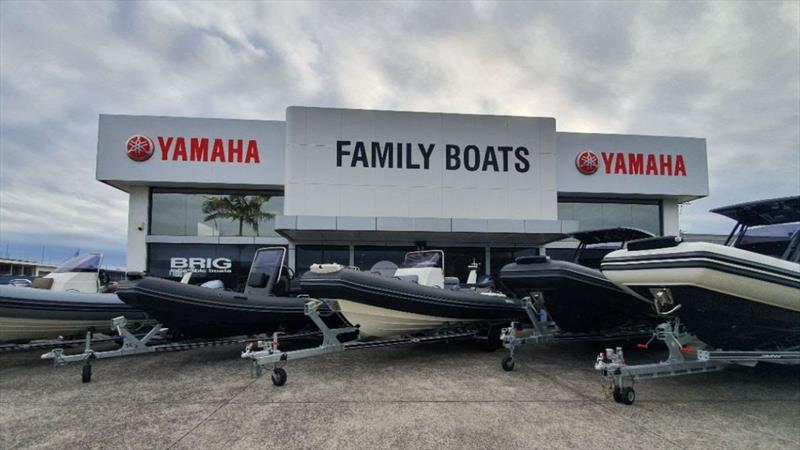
(411, 278)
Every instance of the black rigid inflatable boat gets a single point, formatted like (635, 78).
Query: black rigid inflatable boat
(416, 298)
(580, 298)
(267, 304)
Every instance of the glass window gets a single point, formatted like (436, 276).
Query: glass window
(499, 257)
(595, 215)
(214, 214)
(228, 263)
(367, 256)
(306, 255)
(458, 259)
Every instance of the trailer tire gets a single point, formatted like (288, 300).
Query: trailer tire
(493, 341)
(616, 394)
(86, 373)
(279, 376)
(628, 395)
(508, 364)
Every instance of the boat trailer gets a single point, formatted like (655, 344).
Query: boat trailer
(542, 330)
(331, 343)
(137, 345)
(620, 377)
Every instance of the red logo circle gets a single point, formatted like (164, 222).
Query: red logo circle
(587, 162)
(139, 147)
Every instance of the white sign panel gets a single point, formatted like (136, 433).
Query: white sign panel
(404, 164)
(590, 163)
(177, 150)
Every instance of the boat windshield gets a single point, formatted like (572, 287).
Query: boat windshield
(770, 240)
(422, 259)
(82, 263)
(267, 260)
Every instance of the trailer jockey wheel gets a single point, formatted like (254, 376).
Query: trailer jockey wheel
(628, 395)
(86, 373)
(508, 364)
(279, 376)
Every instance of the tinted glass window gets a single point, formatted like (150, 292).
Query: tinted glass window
(458, 259)
(228, 263)
(306, 255)
(499, 257)
(214, 214)
(596, 215)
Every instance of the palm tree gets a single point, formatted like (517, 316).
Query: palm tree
(244, 208)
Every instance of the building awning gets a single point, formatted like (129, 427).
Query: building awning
(413, 230)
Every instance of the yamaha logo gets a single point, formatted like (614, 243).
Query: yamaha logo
(587, 162)
(139, 148)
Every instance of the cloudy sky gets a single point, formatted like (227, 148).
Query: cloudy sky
(726, 71)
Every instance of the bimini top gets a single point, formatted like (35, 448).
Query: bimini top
(764, 212)
(606, 235)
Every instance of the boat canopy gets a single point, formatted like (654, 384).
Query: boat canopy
(763, 212)
(607, 235)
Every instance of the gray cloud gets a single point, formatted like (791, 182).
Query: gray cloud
(726, 71)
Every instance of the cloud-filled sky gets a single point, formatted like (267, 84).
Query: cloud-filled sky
(726, 71)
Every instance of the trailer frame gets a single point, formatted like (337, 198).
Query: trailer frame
(620, 377)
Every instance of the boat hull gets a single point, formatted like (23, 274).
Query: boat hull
(194, 311)
(376, 322)
(579, 299)
(392, 293)
(730, 298)
(29, 314)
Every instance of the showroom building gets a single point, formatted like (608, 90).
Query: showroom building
(359, 186)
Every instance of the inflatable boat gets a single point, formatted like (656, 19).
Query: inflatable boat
(269, 302)
(744, 295)
(578, 297)
(414, 298)
(74, 298)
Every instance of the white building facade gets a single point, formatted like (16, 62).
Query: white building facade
(359, 186)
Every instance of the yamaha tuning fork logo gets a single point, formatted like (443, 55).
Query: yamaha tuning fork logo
(587, 162)
(139, 148)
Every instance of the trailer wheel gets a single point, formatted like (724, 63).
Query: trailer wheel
(86, 373)
(493, 341)
(616, 394)
(508, 364)
(279, 376)
(628, 395)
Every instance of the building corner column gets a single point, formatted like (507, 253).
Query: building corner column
(138, 220)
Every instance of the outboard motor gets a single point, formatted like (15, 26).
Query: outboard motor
(213, 284)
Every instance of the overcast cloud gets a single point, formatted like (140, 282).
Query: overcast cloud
(726, 71)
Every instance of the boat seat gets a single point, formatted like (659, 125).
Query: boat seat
(42, 283)
(452, 283)
(294, 287)
(411, 278)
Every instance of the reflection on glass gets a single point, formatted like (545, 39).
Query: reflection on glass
(306, 255)
(596, 215)
(191, 214)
